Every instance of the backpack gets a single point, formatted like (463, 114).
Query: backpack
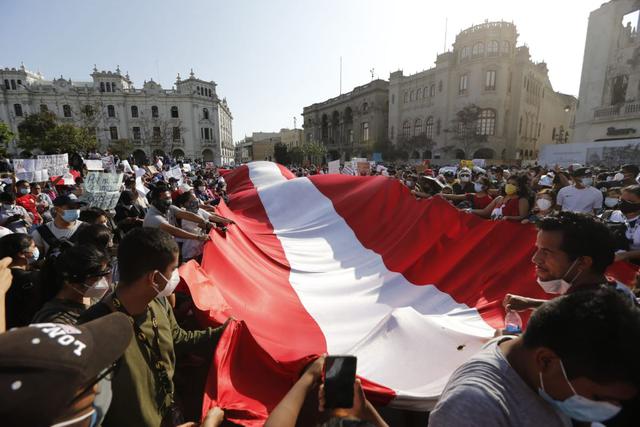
(57, 246)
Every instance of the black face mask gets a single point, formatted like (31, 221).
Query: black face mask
(162, 205)
(628, 207)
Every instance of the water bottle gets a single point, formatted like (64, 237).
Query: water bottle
(512, 323)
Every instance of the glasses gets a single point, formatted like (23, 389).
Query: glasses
(108, 373)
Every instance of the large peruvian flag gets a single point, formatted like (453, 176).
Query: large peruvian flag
(350, 265)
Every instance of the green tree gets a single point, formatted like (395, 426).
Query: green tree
(281, 154)
(6, 136)
(42, 132)
(121, 148)
(464, 128)
(314, 152)
(296, 155)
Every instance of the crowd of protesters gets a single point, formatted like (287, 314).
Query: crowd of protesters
(97, 331)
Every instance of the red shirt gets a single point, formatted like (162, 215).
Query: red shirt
(29, 202)
(479, 202)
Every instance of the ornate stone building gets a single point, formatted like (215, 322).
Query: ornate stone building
(350, 124)
(188, 121)
(610, 84)
(519, 110)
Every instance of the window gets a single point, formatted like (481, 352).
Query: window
(406, 97)
(429, 128)
(438, 126)
(154, 111)
(465, 53)
(478, 49)
(412, 96)
(7, 86)
(365, 131)
(205, 114)
(406, 129)
(492, 48)
(433, 90)
(101, 86)
(134, 111)
(365, 108)
(207, 136)
(111, 111)
(13, 85)
(419, 93)
(17, 108)
(506, 47)
(350, 136)
(198, 89)
(108, 87)
(44, 108)
(487, 122)
(66, 110)
(176, 133)
(417, 127)
(113, 132)
(136, 133)
(464, 84)
(490, 80)
(156, 133)
(393, 98)
(174, 112)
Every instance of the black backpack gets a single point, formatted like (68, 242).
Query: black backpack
(57, 246)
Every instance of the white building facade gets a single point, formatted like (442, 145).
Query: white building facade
(519, 110)
(188, 121)
(609, 95)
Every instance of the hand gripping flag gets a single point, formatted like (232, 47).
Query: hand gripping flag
(350, 265)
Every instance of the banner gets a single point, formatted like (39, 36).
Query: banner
(94, 165)
(102, 190)
(55, 164)
(334, 166)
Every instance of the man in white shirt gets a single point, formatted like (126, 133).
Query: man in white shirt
(63, 226)
(581, 196)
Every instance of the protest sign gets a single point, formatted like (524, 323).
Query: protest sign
(334, 166)
(142, 190)
(209, 165)
(152, 169)
(363, 168)
(26, 165)
(102, 190)
(108, 164)
(466, 164)
(126, 166)
(94, 165)
(186, 167)
(479, 162)
(174, 172)
(140, 172)
(347, 169)
(55, 164)
(377, 157)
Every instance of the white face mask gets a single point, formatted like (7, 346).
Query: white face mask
(558, 286)
(465, 178)
(478, 187)
(611, 202)
(578, 407)
(171, 285)
(587, 181)
(98, 289)
(543, 204)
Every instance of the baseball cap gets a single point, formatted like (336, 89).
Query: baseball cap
(68, 200)
(43, 366)
(581, 172)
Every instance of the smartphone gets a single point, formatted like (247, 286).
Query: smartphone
(339, 377)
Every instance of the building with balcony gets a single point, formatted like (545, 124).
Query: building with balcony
(351, 124)
(188, 121)
(609, 107)
(518, 109)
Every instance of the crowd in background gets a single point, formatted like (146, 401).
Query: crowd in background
(111, 332)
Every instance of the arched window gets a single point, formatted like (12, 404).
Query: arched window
(492, 48)
(174, 112)
(433, 90)
(465, 53)
(111, 111)
(417, 128)
(412, 96)
(419, 93)
(406, 97)
(198, 89)
(205, 114)
(134, 111)
(365, 108)
(154, 111)
(17, 108)
(487, 122)
(406, 129)
(429, 128)
(425, 92)
(506, 47)
(478, 49)
(66, 110)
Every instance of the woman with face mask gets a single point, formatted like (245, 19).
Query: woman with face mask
(630, 208)
(25, 296)
(82, 273)
(513, 205)
(478, 199)
(544, 206)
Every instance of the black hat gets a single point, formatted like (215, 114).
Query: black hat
(581, 172)
(43, 366)
(68, 200)
(631, 168)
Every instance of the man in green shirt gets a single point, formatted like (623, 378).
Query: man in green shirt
(143, 386)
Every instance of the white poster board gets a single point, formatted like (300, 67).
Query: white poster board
(334, 166)
(55, 164)
(102, 190)
(94, 165)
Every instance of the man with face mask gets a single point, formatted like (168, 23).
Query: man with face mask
(143, 387)
(629, 213)
(64, 225)
(27, 200)
(581, 196)
(577, 360)
(572, 254)
(464, 184)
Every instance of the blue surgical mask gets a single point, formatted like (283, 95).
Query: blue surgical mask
(24, 191)
(34, 256)
(579, 407)
(70, 215)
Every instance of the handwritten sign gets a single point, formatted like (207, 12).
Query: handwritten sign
(102, 190)
(55, 164)
(94, 165)
(334, 166)
(126, 167)
(174, 172)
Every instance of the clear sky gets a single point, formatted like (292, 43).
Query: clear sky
(270, 58)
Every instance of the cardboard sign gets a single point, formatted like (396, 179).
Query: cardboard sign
(334, 166)
(55, 164)
(152, 170)
(102, 190)
(94, 165)
(363, 168)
